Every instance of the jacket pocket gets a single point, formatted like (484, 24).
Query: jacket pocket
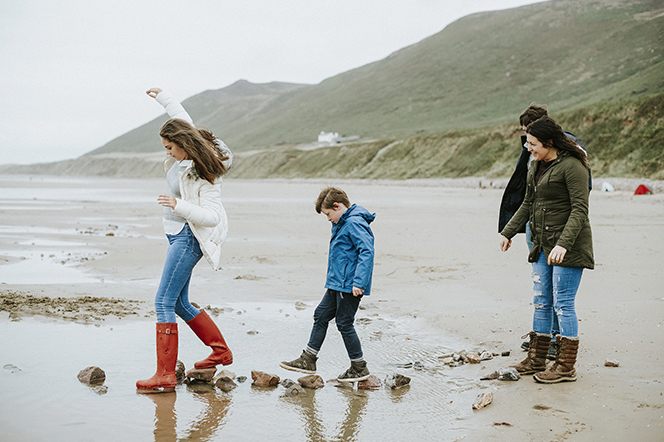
(552, 234)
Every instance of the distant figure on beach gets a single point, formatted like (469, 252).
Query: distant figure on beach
(556, 206)
(349, 273)
(516, 190)
(195, 224)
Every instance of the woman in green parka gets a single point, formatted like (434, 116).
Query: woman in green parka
(556, 206)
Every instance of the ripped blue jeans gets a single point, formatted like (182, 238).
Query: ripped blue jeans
(555, 290)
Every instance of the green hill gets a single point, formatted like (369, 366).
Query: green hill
(480, 70)
(624, 139)
(219, 108)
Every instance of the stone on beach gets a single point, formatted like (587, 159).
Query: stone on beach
(287, 383)
(294, 390)
(482, 400)
(473, 358)
(180, 371)
(372, 383)
(311, 381)
(99, 389)
(224, 380)
(225, 383)
(12, 368)
(292, 387)
(225, 373)
(299, 305)
(503, 374)
(202, 374)
(262, 379)
(611, 363)
(92, 376)
(396, 380)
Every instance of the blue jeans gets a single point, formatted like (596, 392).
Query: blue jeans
(343, 307)
(172, 298)
(555, 290)
(555, 329)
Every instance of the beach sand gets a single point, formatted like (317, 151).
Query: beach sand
(437, 258)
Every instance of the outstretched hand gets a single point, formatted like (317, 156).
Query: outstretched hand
(153, 92)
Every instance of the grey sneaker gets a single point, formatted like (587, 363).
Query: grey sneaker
(306, 363)
(358, 371)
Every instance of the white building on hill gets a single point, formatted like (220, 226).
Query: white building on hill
(328, 137)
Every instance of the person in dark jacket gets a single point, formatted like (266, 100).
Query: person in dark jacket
(516, 190)
(349, 274)
(556, 208)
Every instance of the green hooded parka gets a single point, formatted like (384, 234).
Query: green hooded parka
(557, 209)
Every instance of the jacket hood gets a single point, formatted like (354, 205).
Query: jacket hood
(356, 210)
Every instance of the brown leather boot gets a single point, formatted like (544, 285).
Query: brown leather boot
(167, 355)
(563, 369)
(536, 359)
(208, 332)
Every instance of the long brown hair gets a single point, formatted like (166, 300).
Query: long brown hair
(550, 134)
(199, 144)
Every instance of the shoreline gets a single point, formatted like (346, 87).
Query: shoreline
(437, 258)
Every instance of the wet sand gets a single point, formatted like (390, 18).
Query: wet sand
(437, 260)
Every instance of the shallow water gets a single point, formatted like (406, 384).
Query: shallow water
(42, 399)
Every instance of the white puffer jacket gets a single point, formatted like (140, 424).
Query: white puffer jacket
(201, 203)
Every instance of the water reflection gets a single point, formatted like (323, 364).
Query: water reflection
(314, 427)
(165, 418)
(204, 427)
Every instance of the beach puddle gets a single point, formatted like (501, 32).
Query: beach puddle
(42, 399)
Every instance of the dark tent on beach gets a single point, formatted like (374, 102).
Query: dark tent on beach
(642, 190)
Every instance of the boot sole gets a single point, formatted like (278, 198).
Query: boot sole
(362, 378)
(554, 381)
(300, 370)
(523, 373)
(155, 391)
(225, 363)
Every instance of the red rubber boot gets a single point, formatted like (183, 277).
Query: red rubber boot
(167, 355)
(208, 332)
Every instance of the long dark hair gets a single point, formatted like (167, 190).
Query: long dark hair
(550, 134)
(199, 144)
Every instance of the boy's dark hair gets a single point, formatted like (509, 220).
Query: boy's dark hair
(533, 113)
(329, 196)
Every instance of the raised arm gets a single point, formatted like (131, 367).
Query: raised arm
(172, 106)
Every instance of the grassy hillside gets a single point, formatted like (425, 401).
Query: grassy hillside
(480, 70)
(220, 108)
(623, 139)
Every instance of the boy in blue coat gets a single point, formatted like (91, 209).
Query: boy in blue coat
(349, 269)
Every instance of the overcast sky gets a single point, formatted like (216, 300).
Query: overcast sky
(73, 74)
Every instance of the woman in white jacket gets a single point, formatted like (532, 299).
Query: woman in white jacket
(195, 224)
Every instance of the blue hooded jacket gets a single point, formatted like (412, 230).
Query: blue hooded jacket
(351, 256)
